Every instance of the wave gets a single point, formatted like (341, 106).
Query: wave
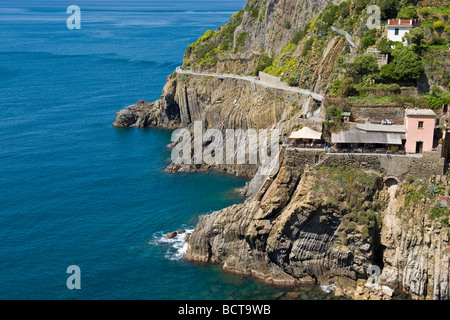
(176, 247)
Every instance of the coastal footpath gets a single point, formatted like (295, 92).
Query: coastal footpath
(370, 225)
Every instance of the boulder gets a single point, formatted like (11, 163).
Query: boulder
(387, 291)
(125, 118)
(171, 235)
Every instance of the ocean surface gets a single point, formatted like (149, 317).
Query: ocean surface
(76, 191)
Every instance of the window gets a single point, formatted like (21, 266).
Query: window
(420, 125)
(397, 31)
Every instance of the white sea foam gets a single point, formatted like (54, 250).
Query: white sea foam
(176, 247)
(328, 288)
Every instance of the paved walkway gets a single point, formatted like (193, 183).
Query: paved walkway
(314, 95)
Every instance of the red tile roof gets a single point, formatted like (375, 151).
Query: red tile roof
(404, 22)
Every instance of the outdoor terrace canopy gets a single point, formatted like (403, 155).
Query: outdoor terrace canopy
(357, 136)
(306, 133)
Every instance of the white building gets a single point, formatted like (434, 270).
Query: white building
(397, 28)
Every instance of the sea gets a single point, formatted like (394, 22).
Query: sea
(75, 191)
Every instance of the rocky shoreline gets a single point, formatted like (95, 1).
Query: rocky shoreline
(307, 223)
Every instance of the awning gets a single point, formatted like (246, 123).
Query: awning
(306, 133)
(357, 136)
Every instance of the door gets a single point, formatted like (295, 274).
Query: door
(419, 146)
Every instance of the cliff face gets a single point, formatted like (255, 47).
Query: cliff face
(306, 223)
(264, 28)
(330, 225)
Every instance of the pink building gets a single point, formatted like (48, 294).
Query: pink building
(419, 127)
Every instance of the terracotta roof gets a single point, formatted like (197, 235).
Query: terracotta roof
(404, 22)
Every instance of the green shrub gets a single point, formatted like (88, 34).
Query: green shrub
(344, 9)
(437, 41)
(333, 112)
(436, 101)
(297, 37)
(328, 16)
(384, 45)
(360, 5)
(240, 39)
(293, 81)
(447, 32)
(351, 226)
(307, 47)
(441, 214)
(425, 11)
(363, 65)
(389, 9)
(406, 66)
(409, 12)
(263, 62)
(287, 24)
(368, 41)
(439, 26)
(347, 88)
(415, 36)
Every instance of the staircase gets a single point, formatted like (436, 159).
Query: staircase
(382, 58)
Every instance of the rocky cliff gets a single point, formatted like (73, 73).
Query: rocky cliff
(333, 225)
(261, 33)
(307, 223)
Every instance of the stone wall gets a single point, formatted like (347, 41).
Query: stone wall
(377, 112)
(275, 81)
(399, 166)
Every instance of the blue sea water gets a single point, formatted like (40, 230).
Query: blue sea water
(76, 191)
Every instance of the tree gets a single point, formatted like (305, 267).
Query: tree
(344, 9)
(384, 45)
(406, 66)
(415, 36)
(346, 88)
(389, 9)
(409, 12)
(363, 65)
(368, 41)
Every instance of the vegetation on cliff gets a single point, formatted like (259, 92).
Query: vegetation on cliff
(352, 73)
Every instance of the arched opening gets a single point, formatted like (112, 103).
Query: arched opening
(389, 182)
